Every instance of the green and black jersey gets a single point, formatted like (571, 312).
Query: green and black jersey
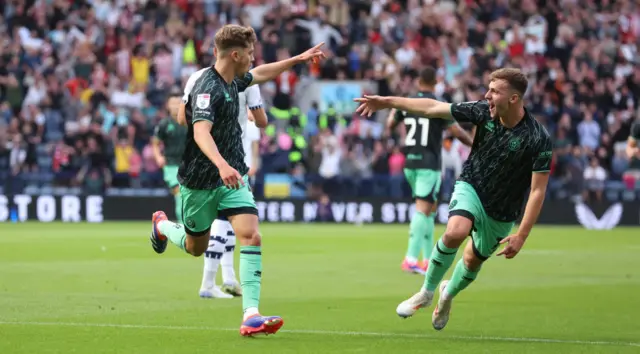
(209, 97)
(423, 141)
(503, 159)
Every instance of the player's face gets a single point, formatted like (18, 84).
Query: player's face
(244, 59)
(173, 105)
(500, 97)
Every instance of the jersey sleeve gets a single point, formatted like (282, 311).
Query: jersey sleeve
(475, 112)
(203, 105)
(635, 131)
(191, 82)
(244, 82)
(254, 98)
(543, 155)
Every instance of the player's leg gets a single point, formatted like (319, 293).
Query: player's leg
(212, 258)
(465, 211)
(427, 245)
(417, 227)
(170, 174)
(239, 206)
(199, 210)
(230, 283)
(484, 242)
(429, 187)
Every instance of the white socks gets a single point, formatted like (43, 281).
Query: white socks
(250, 311)
(228, 273)
(212, 257)
(222, 244)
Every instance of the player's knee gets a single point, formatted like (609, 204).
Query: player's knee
(250, 238)
(197, 252)
(423, 206)
(452, 238)
(196, 246)
(434, 208)
(458, 228)
(471, 261)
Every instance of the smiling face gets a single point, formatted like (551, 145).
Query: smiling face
(506, 91)
(236, 43)
(500, 97)
(243, 58)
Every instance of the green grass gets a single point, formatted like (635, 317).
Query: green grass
(99, 288)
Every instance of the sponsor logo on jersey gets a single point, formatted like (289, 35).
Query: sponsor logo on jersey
(203, 100)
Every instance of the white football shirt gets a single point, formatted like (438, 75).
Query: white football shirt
(252, 99)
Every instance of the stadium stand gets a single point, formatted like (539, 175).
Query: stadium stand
(82, 84)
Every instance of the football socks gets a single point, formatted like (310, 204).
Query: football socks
(250, 276)
(441, 260)
(461, 278)
(417, 233)
(427, 244)
(174, 232)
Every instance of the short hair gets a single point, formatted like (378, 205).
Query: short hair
(514, 77)
(234, 36)
(428, 76)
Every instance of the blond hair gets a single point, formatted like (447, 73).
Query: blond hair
(234, 36)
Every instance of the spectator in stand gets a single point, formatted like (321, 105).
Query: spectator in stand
(329, 169)
(594, 177)
(75, 74)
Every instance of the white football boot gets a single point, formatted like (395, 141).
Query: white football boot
(440, 315)
(214, 293)
(407, 308)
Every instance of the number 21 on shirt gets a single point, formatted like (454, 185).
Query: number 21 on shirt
(416, 126)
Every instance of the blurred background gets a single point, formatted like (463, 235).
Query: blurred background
(83, 83)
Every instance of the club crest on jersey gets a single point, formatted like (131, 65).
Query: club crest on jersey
(490, 126)
(190, 223)
(203, 100)
(514, 144)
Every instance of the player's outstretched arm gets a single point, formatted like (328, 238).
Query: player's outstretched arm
(461, 134)
(425, 107)
(268, 72)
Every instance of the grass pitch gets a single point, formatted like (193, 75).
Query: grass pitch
(99, 288)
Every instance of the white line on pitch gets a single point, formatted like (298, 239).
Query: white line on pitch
(337, 333)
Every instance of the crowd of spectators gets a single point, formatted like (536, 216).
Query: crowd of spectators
(82, 83)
